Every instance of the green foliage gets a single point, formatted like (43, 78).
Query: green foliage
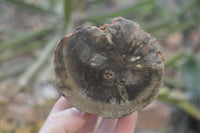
(30, 7)
(6, 55)
(191, 71)
(22, 39)
(67, 12)
(124, 12)
(172, 60)
(180, 100)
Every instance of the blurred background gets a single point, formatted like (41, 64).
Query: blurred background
(30, 29)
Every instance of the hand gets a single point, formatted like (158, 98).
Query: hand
(65, 119)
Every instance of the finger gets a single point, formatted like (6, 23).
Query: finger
(126, 124)
(107, 126)
(67, 121)
(60, 105)
(89, 125)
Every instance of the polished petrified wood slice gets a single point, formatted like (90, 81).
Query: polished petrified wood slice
(110, 71)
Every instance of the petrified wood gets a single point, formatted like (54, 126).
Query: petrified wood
(110, 71)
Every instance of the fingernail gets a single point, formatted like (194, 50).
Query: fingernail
(79, 113)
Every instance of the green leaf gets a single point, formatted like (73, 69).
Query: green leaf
(168, 96)
(173, 82)
(154, 26)
(171, 19)
(39, 63)
(122, 12)
(20, 40)
(172, 60)
(67, 13)
(14, 70)
(30, 7)
(191, 71)
(180, 26)
(21, 50)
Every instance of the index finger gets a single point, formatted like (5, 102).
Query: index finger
(126, 124)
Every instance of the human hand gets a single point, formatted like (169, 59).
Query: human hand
(65, 119)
